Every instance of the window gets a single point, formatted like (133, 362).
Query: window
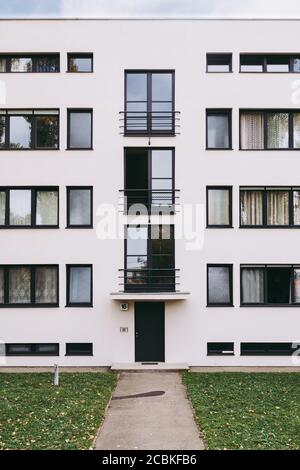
(220, 349)
(80, 207)
(269, 130)
(270, 285)
(149, 179)
(219, 62)
(79, 349)
(22, 63)
(150, 258)
(268, 207)
(29, 207)
(29, 129)
(219, 285)
(219, 206)
(24, 285)
(80, 63)
(80, 129)
(218, 129)
(149, 102)
(272, 63)
(267, 349)
(79, 285)
(32, 349)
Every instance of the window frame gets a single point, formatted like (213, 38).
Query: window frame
(70, 353)
(33, 347)
(149, 130)
(79, 111)
(34, 190)
(68, 190)
(33, 56)
(265, 112)
(78, 304)
(265, 304)
(80, 55)
(219, 111)
(228, 54)
(34, 113)
(265, 56)
(264, 350)
(265, 190)
(229, 189)
(220, 305)
(32, 303)
(212, 349)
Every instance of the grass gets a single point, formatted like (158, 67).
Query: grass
(246, 411)
(34, 414)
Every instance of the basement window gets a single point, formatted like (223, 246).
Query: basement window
(79, 349)
(267, 349)
(220, 349)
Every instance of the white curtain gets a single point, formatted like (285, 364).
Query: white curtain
(20, 207)
(218, 285)
(252, 131)
(80, 285)
(46, 285)
(19, 286)
(296, 205)
(278, 207)
(46, 207)
(251, 207)
(252, 285)
(218, 207)
(278, 130)
(2, 208)
(80, 207)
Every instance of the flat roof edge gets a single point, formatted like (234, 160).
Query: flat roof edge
(147, 19)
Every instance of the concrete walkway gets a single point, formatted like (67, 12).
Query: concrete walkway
(157, 422)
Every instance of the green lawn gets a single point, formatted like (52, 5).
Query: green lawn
(34, 414)
(246, 411)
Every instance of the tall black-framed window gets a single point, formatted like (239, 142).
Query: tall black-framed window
(79, 349)
(79, 285)
(219, 285)
(268, 349)
(79, 207)
(218, 129)
(150, 258)
(269, 129)
(219, 206)
(270, 285)
(270, 207)
(29, 286)
(25, 63)
(32, 349)
(36, 129)
(29, 207)
(150, 178)
(80, 62)
(80, 129)
(218, 62)
(150, 102)
(270, 63)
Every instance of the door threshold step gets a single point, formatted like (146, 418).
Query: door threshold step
(150, 366)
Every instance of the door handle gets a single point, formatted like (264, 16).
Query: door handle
(136, 334)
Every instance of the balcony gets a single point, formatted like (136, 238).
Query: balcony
(149, 123)
(149, 201)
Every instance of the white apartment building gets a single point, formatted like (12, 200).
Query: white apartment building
(198, 121)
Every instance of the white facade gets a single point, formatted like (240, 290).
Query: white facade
(179, 45)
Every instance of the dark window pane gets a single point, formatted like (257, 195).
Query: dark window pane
(46, 349)
(47, 131)
(218, 131)
(266, 349)
(80, 130)
(46, 208)
(80, 284)
(1, 286)
(18, 349)
(46, 285)
(21, 64)
(251, 63)
(46, 64)
(220, 349)
(219, 285)
(20, 132)
(279, 285)
(80, 207)
(79, 349)
(80, 64)
(2, 131)
(218, 62)
(19, 286)
(20, 207)
(278, 63)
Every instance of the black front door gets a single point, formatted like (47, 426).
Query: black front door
(149, 332)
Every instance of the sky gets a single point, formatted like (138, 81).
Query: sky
(150, 8)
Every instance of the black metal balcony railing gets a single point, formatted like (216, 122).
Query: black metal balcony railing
(149, 280)
(149, 123)
(149, 200)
